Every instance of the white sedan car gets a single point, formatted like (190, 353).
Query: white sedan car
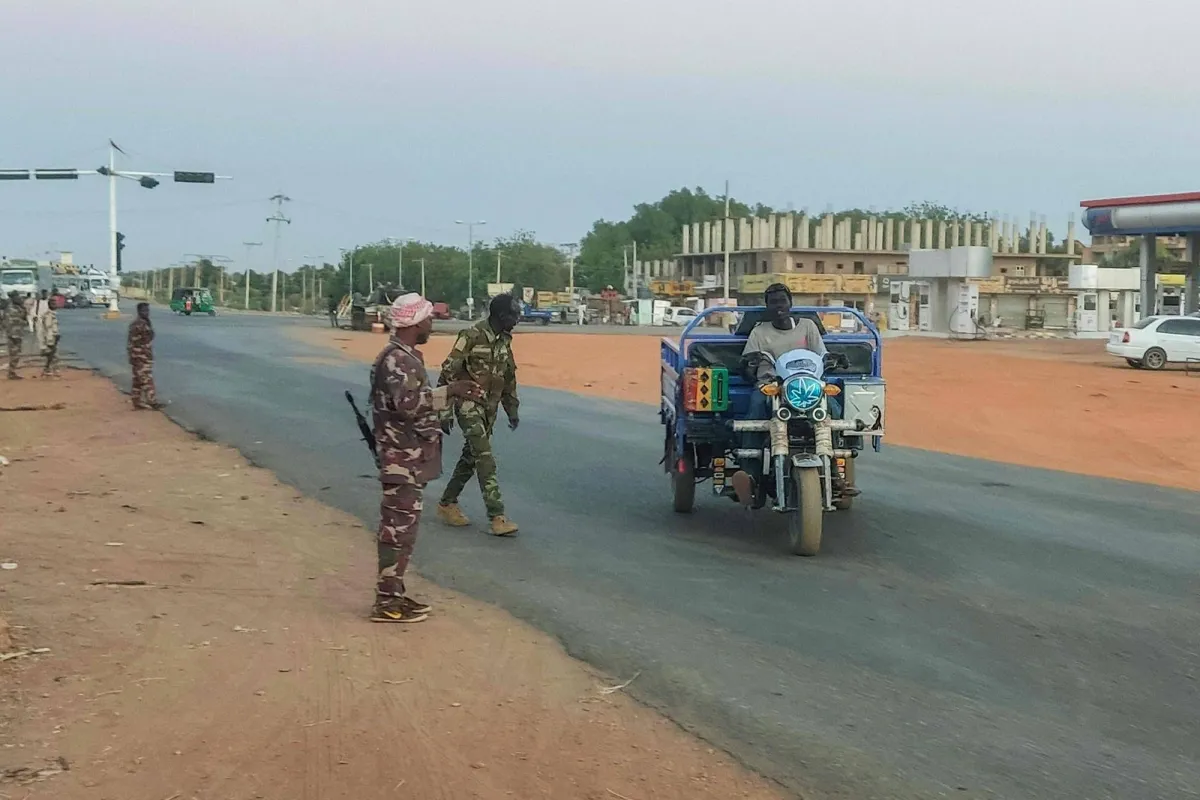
(1157, 341)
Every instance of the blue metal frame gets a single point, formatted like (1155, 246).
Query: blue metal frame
(871, 334)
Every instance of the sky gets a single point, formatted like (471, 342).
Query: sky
(394, 118)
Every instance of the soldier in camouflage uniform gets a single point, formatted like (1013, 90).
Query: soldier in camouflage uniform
(141, 359)
(14, 332)
(408, 439)
(483, 354)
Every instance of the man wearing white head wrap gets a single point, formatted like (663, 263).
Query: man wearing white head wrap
(408, 439)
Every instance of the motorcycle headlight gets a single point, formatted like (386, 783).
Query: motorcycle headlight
(803, 392)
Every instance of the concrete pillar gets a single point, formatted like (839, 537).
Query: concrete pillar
(1014, 241)
(941, 234)
(873, 231)
(1191, 285)
(1149, 284)
(706, 237)
(772, 231)
(977, 234)
(878, 237)
(929, 233)
(955, 233)
(863, 229)
(1071, 235)
(1043, 237)
(687, 239)
(718, 244)
(697, 242)
(889, 234)
(847, 234)
(859, 243)
(745, 239)
(1005, 235)
(828, 223)
(1031, 245)
(802, 239)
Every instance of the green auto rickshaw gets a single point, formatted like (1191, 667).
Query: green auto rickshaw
(194, 300)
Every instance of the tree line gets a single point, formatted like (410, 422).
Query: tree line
(654, 228)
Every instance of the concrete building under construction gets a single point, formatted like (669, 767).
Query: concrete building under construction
(862, 261)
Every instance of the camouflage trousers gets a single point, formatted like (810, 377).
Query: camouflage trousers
(399, 516)
(50, 353)
(14, 354)
(144, 395)
(477, 424)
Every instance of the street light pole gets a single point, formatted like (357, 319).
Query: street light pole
(571, 247)
(248, 245)
(114, 309)
(725, 240)
(400, 242)
(470, 263)
(422, 277)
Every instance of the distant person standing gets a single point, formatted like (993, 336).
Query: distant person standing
(333, 309)
(14, 325)
(40, 305)
(48, 338)
(141, 359)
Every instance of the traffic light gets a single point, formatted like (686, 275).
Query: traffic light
(147, 182)
(120, 247)
(195, 177)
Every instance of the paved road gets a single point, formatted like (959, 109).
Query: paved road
(971, 629)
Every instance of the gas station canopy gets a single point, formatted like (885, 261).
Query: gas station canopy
(1149, 217)
(1157, 214)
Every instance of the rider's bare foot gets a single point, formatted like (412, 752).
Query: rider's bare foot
(743, 486)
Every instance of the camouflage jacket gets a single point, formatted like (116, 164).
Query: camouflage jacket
(408, 435)
(48, 326)
(14, 320)
(485, 357)
(141, 334)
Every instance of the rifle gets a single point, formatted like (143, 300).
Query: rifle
(367, 435)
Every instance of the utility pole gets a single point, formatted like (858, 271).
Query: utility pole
(497, 266)
(571, 247)
(470, 263)
(422, 277)
(725, 240)
(248, 245)
(278, 218)
(147, 180)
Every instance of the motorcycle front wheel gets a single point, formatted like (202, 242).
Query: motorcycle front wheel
(805, 523)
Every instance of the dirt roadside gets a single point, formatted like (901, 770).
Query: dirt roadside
(1062, 405)
(244, 667)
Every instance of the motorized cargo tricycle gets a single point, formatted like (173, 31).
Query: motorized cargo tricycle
(192, 300)
(821, 413)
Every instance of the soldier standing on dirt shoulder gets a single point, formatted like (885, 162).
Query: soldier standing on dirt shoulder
(141, 359)
(14, 324)
(408, 439)
(483, 354)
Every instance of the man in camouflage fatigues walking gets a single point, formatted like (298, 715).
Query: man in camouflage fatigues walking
(482, 354)
(141, 359)
(14, 324)
(408, 441)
